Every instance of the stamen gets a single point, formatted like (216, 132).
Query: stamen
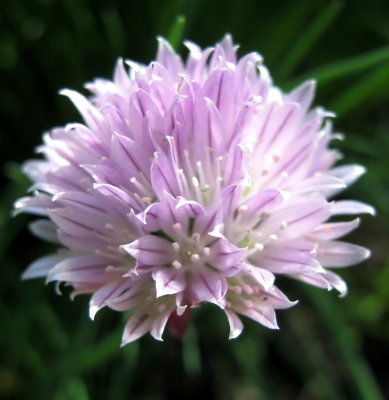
(176, 246)
(276, 157)
(177, 227)
(109, 226)
(273, 236)
(259, 246)
(142, 189)
(242, 209)
(162, 307)
(237, 290)
(248, 303)
(284, 224)
(176, 264)
(206, 251)
(248, 289)
(195, 182)
(196, 186)
(200, 170)
(196, 237)
(195, 258)
(184, 182)
(284, 174)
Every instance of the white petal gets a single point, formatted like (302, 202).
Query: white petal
(351, 207)
(41, 267)
(236, 326)
(340, 254)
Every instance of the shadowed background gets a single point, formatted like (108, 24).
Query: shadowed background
(327, 348)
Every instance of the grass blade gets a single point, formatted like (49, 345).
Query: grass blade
(308, 39)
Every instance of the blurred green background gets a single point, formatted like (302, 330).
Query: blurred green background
(327, 348)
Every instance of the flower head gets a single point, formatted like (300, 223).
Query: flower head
(192, 182)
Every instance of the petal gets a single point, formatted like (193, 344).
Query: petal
(163, 176)
(106, 294)
(150, 250)
(44, 229)
(264, 315)
(129, 155)
(340, 254)
(207, 286)
(319, 183)
(303, 94)
(41, 267)
(224, 255)
(287, 257)
(236, 326)
(297, 218)
(168, 281)
(258, 204)
(160, 321)
(138, 324)
(336, 282)
(314, 279)
(168, 58)
(262, 276)
(82, 268)
(351, 207)
(334, 230)
(348, 173)
(90, 114)
(277, 299)
(131, 298)
(37, 205)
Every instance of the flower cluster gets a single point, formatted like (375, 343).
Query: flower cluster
(189, 182)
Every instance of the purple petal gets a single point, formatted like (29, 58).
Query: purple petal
(38, 205)
(41, 267)
(303, 94)
(83, 268)
(259, 203)
(340, 254)
(207, 286)
(160, 321)
(277, 299)
(138, 324)
(225, 255)
(44, 229)
(106, 294)
(262, 314)
(351, 207)
(132, 297)
(168, 281)
(262, 276)
(89, 113)
(336, 282)
(168, 58)
(334, 230)
(320, 183)
(236, 326)
(287, 257)
(300, 218)
(314, 279)
(163, 177)
(348, 173)
(129, 155)
(150, 250)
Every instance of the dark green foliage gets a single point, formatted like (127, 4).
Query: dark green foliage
(327, 348)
